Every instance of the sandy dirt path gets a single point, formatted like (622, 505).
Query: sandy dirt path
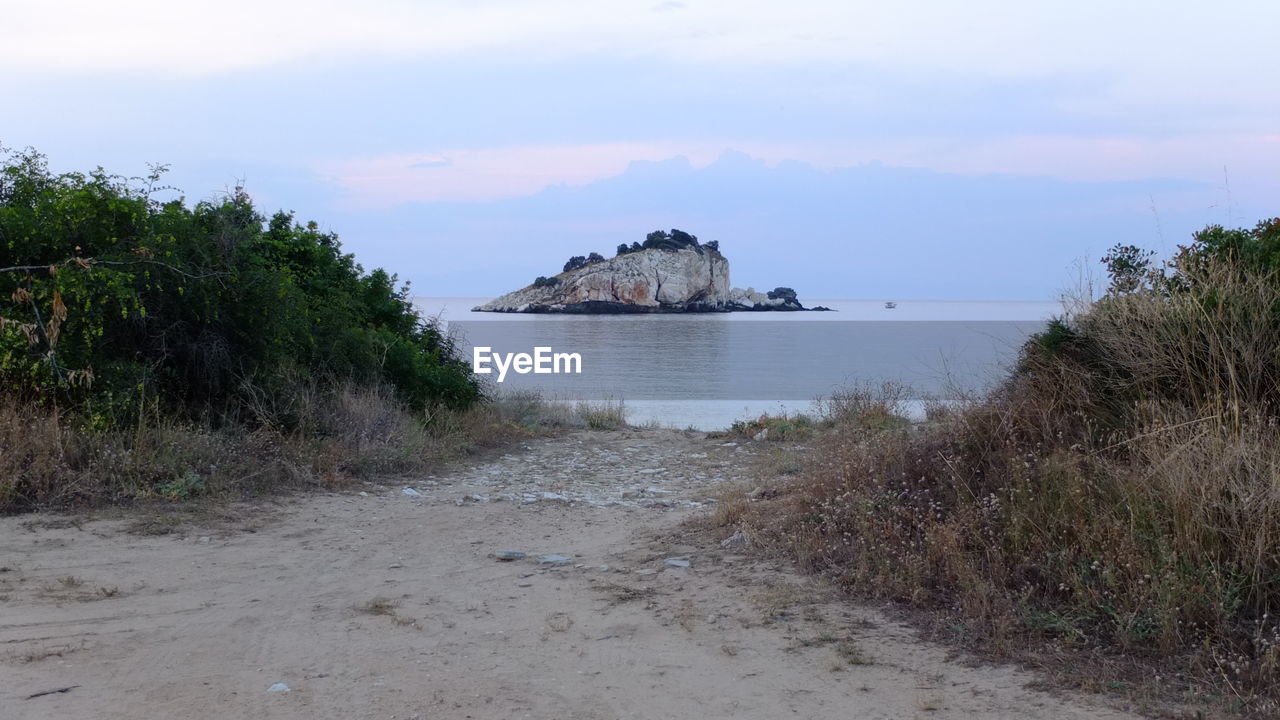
(381, 604)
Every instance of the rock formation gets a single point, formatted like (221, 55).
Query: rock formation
(692, 278)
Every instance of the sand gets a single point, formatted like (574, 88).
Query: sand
(374, 603)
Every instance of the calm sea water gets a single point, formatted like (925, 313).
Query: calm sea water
(707, 370)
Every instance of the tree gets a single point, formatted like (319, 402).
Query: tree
(656, 238)
(594, 258)
(683, 239)
(575, 262)
(712, 244)
(674, 240)
(623, 249)
(110, 299)
(544, 281)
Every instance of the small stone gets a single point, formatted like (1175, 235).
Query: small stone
(364, 494)
(676, 562)
(410, 492)
(394, 566)
(203, 539)
(278, 687)
(757, 493)
(736, 540)
(553, 559)
(647, 572)
(508, 555)
(554, 497)
(762, 435)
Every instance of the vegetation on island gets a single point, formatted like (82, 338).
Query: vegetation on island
(1111, 510)
(656, 240)
(151, 347)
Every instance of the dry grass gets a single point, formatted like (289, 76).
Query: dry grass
(1117, 498)
(776, 600)
(379, 606)
(49, 460)
(618, 593)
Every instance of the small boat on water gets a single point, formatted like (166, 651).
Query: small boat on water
(890, 305)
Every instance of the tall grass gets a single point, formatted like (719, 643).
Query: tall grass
(312, 438)
(1119, 494)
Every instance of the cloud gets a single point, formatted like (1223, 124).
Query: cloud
(1007, 38)
(864, 231)
(465, 175)
(484, 174)
(431, 162)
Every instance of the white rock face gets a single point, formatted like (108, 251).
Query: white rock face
(749, 299)
(691, 279)
(644, 281)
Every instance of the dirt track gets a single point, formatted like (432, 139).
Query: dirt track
(381, 604)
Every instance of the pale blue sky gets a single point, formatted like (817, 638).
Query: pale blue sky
(848, 149)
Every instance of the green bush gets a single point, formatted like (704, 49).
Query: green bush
(112, 301)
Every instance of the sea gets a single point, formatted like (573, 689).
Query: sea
(707, 370)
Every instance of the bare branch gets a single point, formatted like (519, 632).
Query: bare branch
(85, 262)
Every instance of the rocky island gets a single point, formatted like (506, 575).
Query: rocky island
(669, 272)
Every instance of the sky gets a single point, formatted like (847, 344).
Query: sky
(989, 149)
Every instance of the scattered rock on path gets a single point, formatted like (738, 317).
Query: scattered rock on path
(278, 687)
(553, 559)
(410, 492)
(509, 555)
(676, 562)
(736, 540)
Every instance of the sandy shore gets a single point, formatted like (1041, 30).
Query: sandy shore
(380, 604)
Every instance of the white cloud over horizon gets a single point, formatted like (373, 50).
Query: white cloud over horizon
(485, 174)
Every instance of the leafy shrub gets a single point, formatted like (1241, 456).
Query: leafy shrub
(544, 281)
(674, 240)
(1116, 493)
(111, 300)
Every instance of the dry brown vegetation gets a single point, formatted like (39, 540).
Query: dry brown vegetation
(50, 460)
(1115, 503)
